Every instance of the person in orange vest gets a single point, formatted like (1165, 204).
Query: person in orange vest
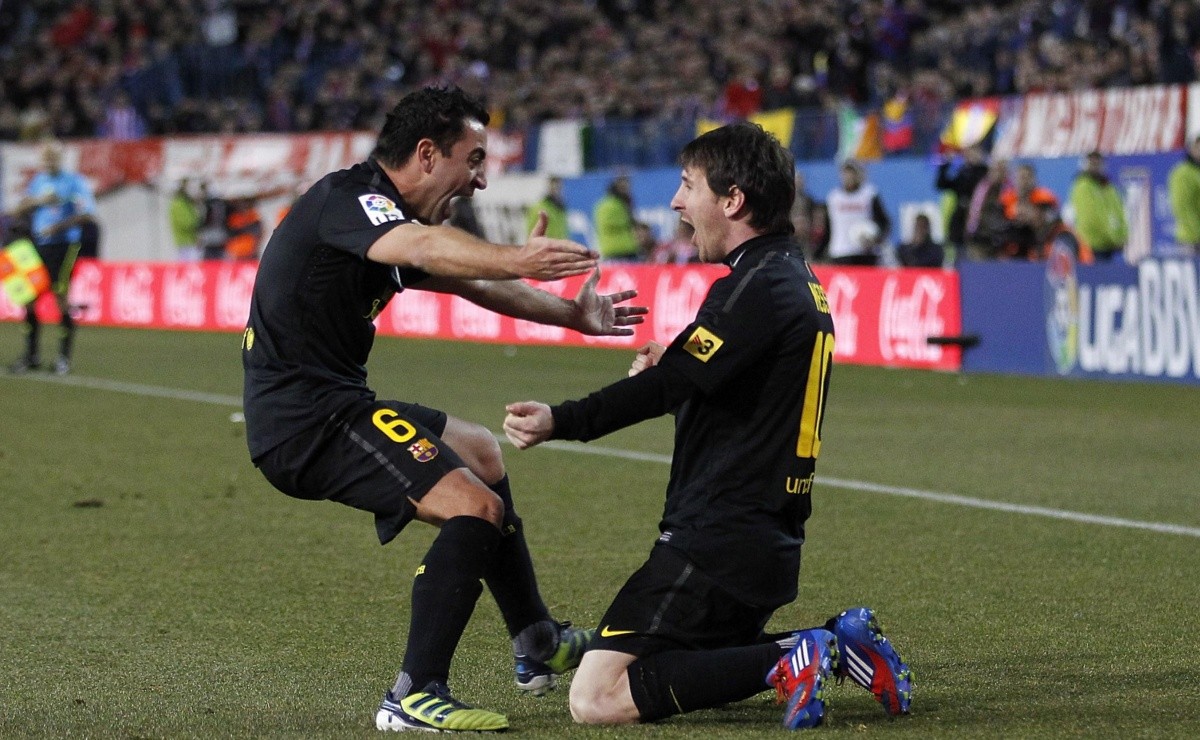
(1054, 233)
(1022, 202)
(245, 230)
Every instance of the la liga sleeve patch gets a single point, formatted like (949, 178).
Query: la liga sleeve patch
(379, 209)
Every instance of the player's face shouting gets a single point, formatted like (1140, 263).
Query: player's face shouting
(462, 171)
(699, 206)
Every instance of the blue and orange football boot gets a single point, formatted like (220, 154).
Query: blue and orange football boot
(538, 677)
(801, 678)
(869, 660)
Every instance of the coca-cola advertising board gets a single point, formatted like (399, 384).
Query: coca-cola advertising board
(881, 316)
(886, 317)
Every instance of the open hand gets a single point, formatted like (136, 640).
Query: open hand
(544, 258)
(599, 315)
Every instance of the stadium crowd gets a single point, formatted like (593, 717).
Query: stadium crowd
(130, 68)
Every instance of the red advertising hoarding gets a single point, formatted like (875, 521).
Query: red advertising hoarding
(885, 317)
(881, 316)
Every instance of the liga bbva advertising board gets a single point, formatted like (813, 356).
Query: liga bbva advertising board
(1109, 321)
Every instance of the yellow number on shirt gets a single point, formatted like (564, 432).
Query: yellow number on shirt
(397, 429)
(809, 443)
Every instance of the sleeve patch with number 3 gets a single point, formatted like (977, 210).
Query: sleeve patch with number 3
(703, 344)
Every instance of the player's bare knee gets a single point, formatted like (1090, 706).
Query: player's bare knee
(460, 493)
(486, 506)
(592, 707)
(495, 510)
(583, 707)
(477, 447)
(488, 458)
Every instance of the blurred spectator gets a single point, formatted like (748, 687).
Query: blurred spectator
(57, 202)
(184, 214)
(616, 237)
(645, 239)
(810, 221)
(783, 90)
(1022, 202)
(743, 96)
(121, 120)
(1179, 37)
(960, 178)
(214, 229)
(679, 249)
(987, 225)
(89, 239)
(245, 229)
(1054, 235)
(555, 208)
(1099, 210)
(858, 222)
(1183, 186)
(921, 250)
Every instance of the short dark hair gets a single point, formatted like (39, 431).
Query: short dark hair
(746, 156)
(437, 113)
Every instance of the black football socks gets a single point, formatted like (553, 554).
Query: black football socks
(510, 577)
(681, 681)
(443, 596)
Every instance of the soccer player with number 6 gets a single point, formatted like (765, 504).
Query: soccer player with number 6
(317, 431)
(747, 381)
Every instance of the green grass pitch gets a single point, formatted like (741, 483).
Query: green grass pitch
(152, 584)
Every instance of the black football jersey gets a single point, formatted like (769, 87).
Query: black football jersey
(315, 300)
(747, 380)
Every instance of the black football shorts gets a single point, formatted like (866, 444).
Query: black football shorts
(379, 459)
(669, 604)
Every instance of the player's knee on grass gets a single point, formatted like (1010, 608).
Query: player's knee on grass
(477, 447)
(588, 706)
(595, 708)
(600, 695)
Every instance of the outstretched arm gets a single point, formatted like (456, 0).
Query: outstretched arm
(445, 251)
(647, 395)
(588, 313)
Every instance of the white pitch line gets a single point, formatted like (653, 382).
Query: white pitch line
(216, 399)
(942, 498)
(977, 503)
(134, 389)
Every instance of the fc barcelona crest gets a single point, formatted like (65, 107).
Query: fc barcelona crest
(423, 450)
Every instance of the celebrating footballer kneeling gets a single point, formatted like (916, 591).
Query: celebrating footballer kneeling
(747, 381)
